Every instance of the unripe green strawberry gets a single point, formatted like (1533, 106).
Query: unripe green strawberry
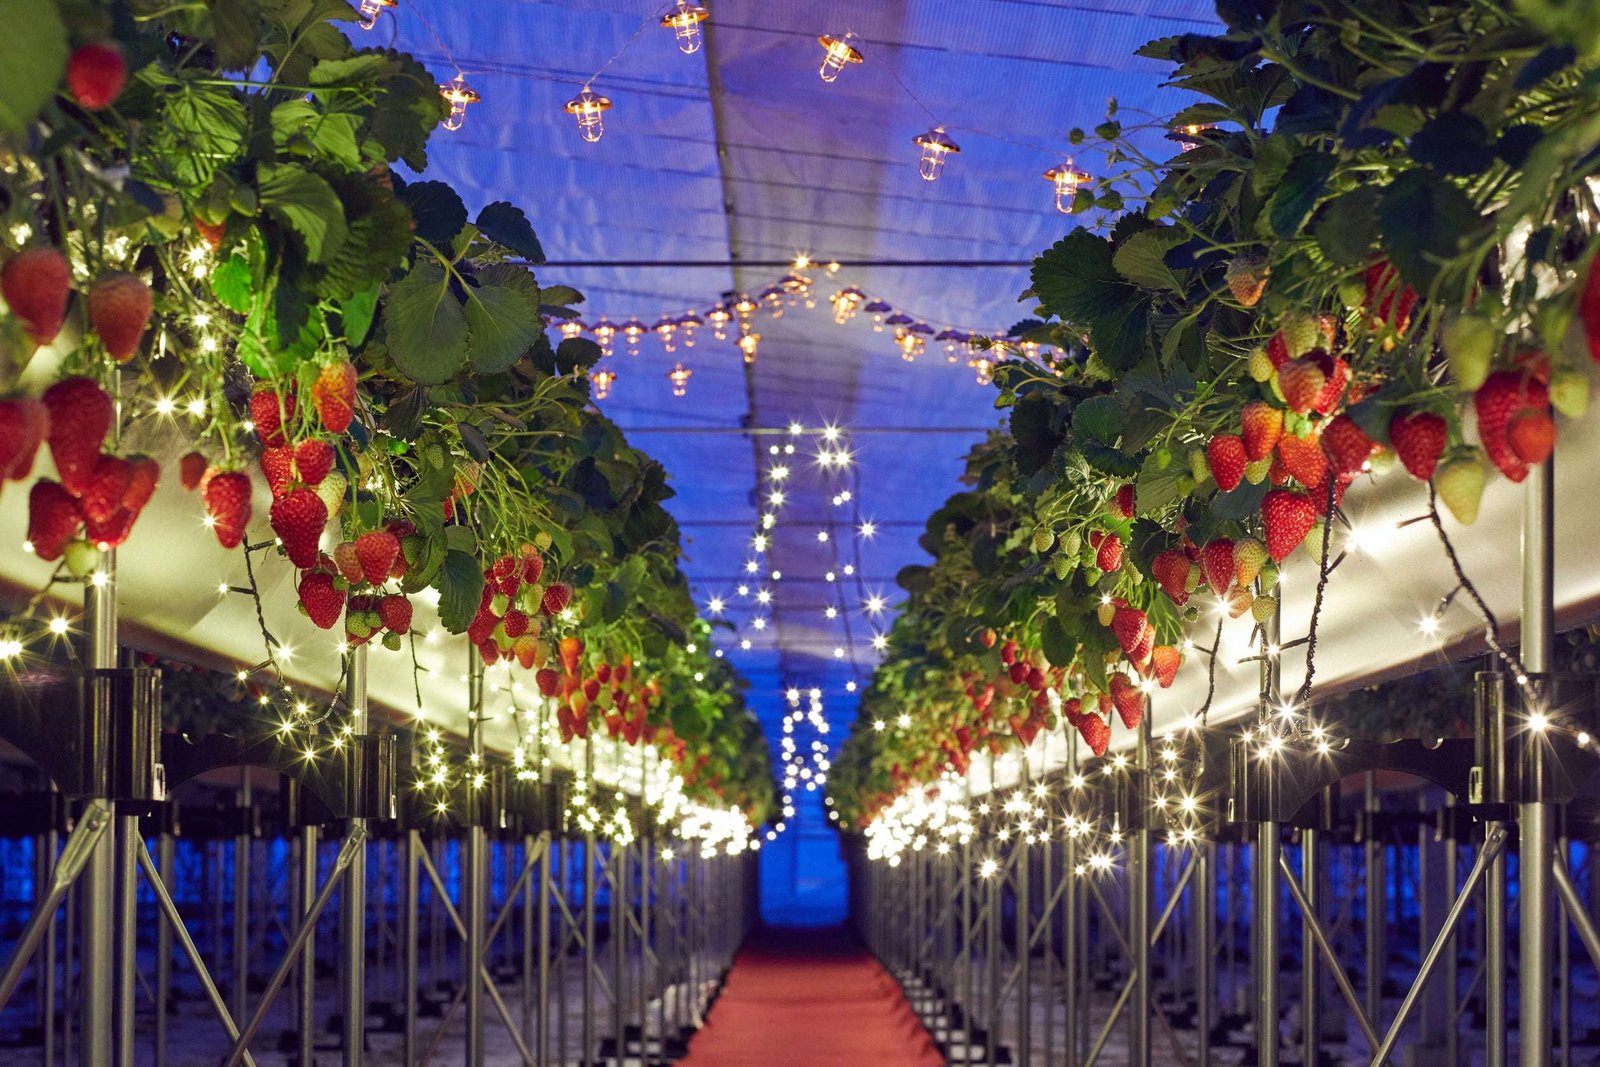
(82, 558)
(1192, 580)
(1199, 466)
(1071, 543)
(356, 625)
(1255, 473)
(1269, 575)
(1569, 392)
(391, 641)
(1061, 565)
(1261, 367)
(1353, 293)
(331, 490)
(1249, 556)
(1470, 341)
(1459, 482)
(1264, 608)
(1313, 542)
(1300, 333)
(499, 603)
(1043, 538)
(1106, 612)
(542, 541)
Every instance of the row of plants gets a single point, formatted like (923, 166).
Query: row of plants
(1373, 251)
(201, 222)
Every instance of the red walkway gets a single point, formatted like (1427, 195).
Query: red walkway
(810, 998)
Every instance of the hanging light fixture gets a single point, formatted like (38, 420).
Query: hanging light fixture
(632, 331)
(601, 381)
(667, 330)
(1066, 179)
(369, 11)
(748, 343)
(719, 317)
(571, 328)
(900, 323)
(877, 309)
(918, 334)
(846, 302)
(951, 339)
(604, 333)
(936, 148)
(1191, 136)
(679, 376)
(590, 109)
(684, 21)
(687, 325)
(772, 298)
(983, 367)
(837, 51)
(744, 307)
(458, 94)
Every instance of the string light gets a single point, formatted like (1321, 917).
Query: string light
(684, 21)
(936, 148)
(589, 108)
(679, 376)
(601, 381)
(632, 332)
(667, 330)
(1066, 178)
(371, 9)
(458, 94)
(837, 52)
(748, 344)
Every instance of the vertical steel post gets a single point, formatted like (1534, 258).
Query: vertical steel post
(1310, 976)
(1534, 817)
(474, 871)
(528, 971)
(98, 897)
(587, 1057)
(239, 956)
(1264, 873)
(1204, 965)
(408, 950)
(164, 860)
(353, 905)
(1140, 891)
(1452, 956)
(306, 981)
(545, 962)
(1564, 958)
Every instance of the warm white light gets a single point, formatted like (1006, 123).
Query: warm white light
(837, 52)
(589, 109)
(868, 529)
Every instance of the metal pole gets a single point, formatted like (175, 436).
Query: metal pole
(527, 946)
(544, 947)
(1264, 871)
(473, 870)
(82, 845)
(1140, 890)
(98, 898)
(1376, 913)
(164, 860)
(587, 1057)
(1204, 965)
(306, 980)
(353, 950)
(408, 1033)
(1533, 818)
(1310, 977)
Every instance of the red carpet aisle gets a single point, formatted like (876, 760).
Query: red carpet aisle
(810, 998)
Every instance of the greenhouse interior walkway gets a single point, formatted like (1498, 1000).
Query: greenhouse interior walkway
(813, 997)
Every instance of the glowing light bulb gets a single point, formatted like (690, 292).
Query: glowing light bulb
(667, 330)
(632, 331)
(684, 21)
(936, 148)
(589, 109)
(1066, 178)
(837, 52)
(748, 344)
(679, 376)
(604, 333)
(687, 325)
(371, 9)
(719, 317)
(571, 328)
(982, 369)
(458, 94)
(846, 302)
(601, 381)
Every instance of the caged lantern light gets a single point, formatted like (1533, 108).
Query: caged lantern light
(846, 302)
(667, 329)
(679, 376)
(837, 51)
(877, 309)
(601, 381)
(936, 148)
(632, 331)
(604, 333)
(1066, 178)
(684, 21)
(589, 108)
(369, 11)
(748, 343)
(458, 94)
(687, 325)
(719, 317)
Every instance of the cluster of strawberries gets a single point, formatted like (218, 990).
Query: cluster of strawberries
(99, 497)
(370, 561)
(615, 692)
(515, 599)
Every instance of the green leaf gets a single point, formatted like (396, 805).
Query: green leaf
(1098, 419)
(1453, 143)
(1304, 183)
(1425, 222)
(334, 135)
(1142, 258)
(1056, 642)
(33, 55)
(1272, 160)
(1109, 460)
(230, 283)
(504, 325)
(563, 296)
(236, 25)
(1158, 487)
(306, 204)
(1347, 225)
(424, 325)
(574, 353)
(1077, 280)
(358, 312)
(505, 224)
(460, 590)
(437, 210)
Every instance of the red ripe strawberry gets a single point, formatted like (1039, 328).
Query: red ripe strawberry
(1128, 699)
(557, 595)
(321, 597)
(1072, 710)
(226, 495)
(103, 492)
(516, 623)
(1171, 570)
(80, 418)
(532, 566)
(1128, 624)
(1165, 661)
(191, 469)
(112, 531)
(1278, 350)
(119, 310)
(1388, 299)
(1095, 733)
(1263, 425)
(1226, 455)
(1123, 503)
(1018, 672)
(1216, 561)
(1008, 652)
(211, 232)
(1302, 457)
(313, 459)
(1337, 372)
(269, 412)
(1419, 438)
(1108, 550)
(1319, 495)
(96, 73)
(1502, 395)
(1247, 278)
(53, 519)
(489, 652)
(1347, 445)
(377, 551)
(348, 560)
(482, 625)
(1301, 382)
(1147, 643)
(298, 517)
(1288, 516)
(334, 394)
(1532, 435)
(547, 681)
(987, 638)
(35, 283)
(277, 467)
(504, 567)
(23, 424)
(395, 611)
